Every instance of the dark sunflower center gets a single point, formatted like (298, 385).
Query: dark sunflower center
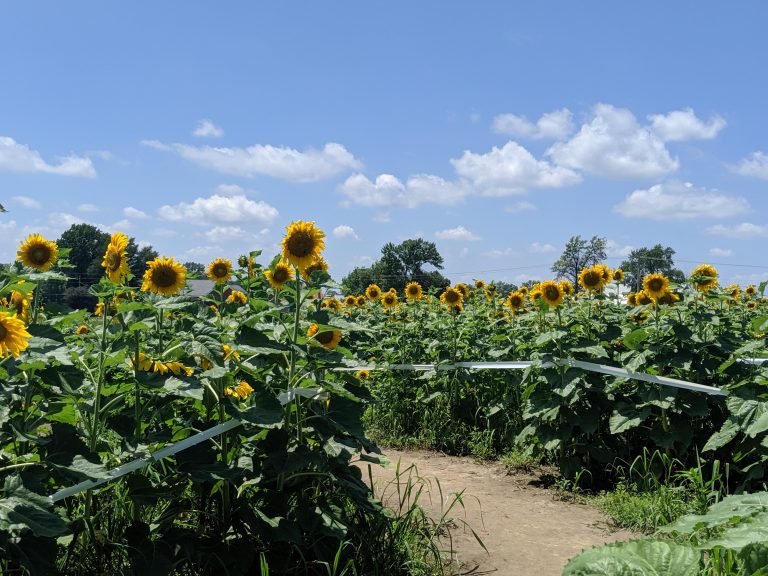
(451, 296)
(324, 337)
(164, 276)
(516, 301)
(113, 261)
(655, 284)
(374, 293)
(280, 274)
(413, 290)
(551, 293)
(39, 254)
(3, 332)
(592, 278)
(301, 244)
(388, 300)
(220, 271)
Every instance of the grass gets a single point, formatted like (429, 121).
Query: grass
(645, 511)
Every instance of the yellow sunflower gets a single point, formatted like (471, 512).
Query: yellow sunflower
(14, 337)
(452, 298)
(82, 329)
(237, 297)
(535, 294)
(302, 243)
(551, 293)
(591, 279)
(164, 276)
(750, 291)
(515, 300)
(668, 298)
(329, 339)
(38, 253)
(479, 284)
(566, 287)
(655, 285)
(318, 264)
(751, 305)
(281, 274)
(463, 288)
(363, 374)
(734, 290)
(632, 299)
(115, 261)
(350, 301)
(20, 303)
(523, 290)
(389, 300)
(220, 270)
(618, 275)
(360, 301)
(413, 291)
(332, 304)
(373, 292)
(704, 277)
(241, 391)
(643, 298)
(605, 272)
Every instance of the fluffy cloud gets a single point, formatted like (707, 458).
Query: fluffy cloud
(344, 231)
(276, 161)
(207, 129)
(755, 165)
(135, 213)
(743, 230)
(458, 233)
(556, 125)
(224, 233)
(615, 250)
(15, 157)
(388, 191)
(26, 202)
(216, 209)
(614, 145)
(720, 252)
(511, 169)
(681, 125)
(539, 248)
(676, 201)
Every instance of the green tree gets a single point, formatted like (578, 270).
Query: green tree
(644, 261)
(87, 244)
(578, 254)
(195, 268)
(137, 260)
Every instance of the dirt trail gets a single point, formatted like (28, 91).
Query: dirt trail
(525, 530)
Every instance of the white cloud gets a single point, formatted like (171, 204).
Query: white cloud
(388, 191)
(207, 129)
(88, 208)
(119, 226)
(26, 202)
(614, 145)
(7, 227)
(720, 252)
(756, 165)
(743, 230)
(230, 190)
(135, 213)
(511, 169)
(383, 217)
(539, 248)
(63, 220)
(681, 125)
(522, 206)
(501, 253)
(677, 201)
(458, 233)
(218, 209)
(15, 157)
(279, 162)
(556, 125)
(224, 233)
(615, 250)
(344, 231)
(202, 252)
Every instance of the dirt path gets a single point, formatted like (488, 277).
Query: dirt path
(525, 530)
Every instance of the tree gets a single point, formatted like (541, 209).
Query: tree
(195, 268)
(87, 244)
(137, 260)
(398, 265)
(644, 261)
(579, 254)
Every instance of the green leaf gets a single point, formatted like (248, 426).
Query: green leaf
(626, 417)
(635, 338)
(23, 510)
(727, 432)
(636, 558)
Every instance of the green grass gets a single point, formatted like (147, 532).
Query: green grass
(644, 511)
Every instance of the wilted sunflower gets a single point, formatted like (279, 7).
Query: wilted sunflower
(329, 339)
(220, 270)
(515, 300)
(389, 300)
(632, 299)
(350, 301)
(281, 274)
(38, 253)
(618, 275)
(566, 287)
(452, 298)
(14, 337)
(115, 261)
(241, 391)
(643, 298)
(302, 243)
(479, 284)
(655, 285)
(237, 297)
(704, 277)
(318, 264)
(591, 279)
(750, 291)
(373, 292)
(551, 293)
(463, 288)
(413, 291)
(164, 276)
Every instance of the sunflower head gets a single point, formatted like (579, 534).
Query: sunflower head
(479, 284)
(38, 253)
(389, 300)
(632, 299)
(643, 298)
(237, 297)
(82, 329)
(241, 391)
(734, 291)
(14, 337)
(164, 276)
(551, 293)
(618, 275)
(523, 290)
(279, 275)
(566, 287)
(605, 272)
(750, 291)
(373, 292)
(319, 264)
(591, 278)
(115, 261)
(515, 300)
(463, 289)
(751, 305)
(332, 304)
(302, 243)
(360, 301)
(350, 300)
(20, 303)
(655, 285)
(704, 277)
(220, 270)
(452, 298)
(413, 291)
(329, 339)
(363, 374)
(668, 298)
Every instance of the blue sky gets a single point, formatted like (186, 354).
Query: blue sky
(495, 129)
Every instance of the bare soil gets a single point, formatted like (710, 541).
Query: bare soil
(526, 529)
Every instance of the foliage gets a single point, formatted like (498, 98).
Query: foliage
(195, 269)
(644, 261)
(577, 255)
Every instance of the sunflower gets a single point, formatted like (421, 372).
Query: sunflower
(318, 264)
(220, 270)
(643, 298)
(164, 276)
(535, 294)
(734, 290)
(329, 339)
(704, 277)
(363, 374)
(479, 284)
(413, 291)
(99, 309)
(230, 352)
(668, 298)
(279, 275)
(452, 298)
(115, 261)
(350, 301)
(618, 275)
(515, 300)
(14, 337)
(241, 391)
(237, 297)
(21, 303)
(82, 329)
(38, 253)
(389, 300)
(463, 288)
(632, 299)
(605, 272)
(551, 293)
(591, 279)
(360, 301)
(750, 291)
(302, 243)
(373, 292)
(332, 303)
(751, 305)
(523, 290)
(566, 287)
(655, 285)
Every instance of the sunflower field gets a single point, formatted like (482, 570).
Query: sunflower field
(293, 378)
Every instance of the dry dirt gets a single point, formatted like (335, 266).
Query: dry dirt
(525, 529)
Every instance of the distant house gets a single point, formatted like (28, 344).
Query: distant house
(203, 288)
